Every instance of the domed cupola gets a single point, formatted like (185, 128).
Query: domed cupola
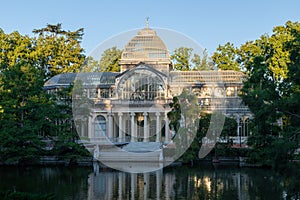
(148, 48)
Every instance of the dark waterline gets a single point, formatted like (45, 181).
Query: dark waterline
(184, 182)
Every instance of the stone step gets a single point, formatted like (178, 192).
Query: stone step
(121, 155)
(134, 151)
(142, 146)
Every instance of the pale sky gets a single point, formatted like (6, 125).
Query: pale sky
(209, 23)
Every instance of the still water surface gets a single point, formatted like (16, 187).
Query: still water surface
(200, 182)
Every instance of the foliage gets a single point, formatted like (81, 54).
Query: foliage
(226, 57)
(15, 195)
(271, 91)
(66, 145)
(23, 113)
(182, 60)
(27, 112)
(90, 65)
(201, 63)
(275, 152)
(54, 50)
(226, 150)
(229, 128)
(189, 122)
(184, 110)
(183, 118)
(109, 60)
(175, 114)
(59, 51)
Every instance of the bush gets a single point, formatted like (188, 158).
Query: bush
(13, 195)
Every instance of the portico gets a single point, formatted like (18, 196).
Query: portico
(132, 126)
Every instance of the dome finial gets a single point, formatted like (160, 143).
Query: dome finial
(147, 22)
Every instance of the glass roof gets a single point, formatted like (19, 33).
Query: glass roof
(146, 45)
(93, 78)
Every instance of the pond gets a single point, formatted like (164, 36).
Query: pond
(181, 182)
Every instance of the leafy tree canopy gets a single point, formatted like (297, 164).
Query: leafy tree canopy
(225, 58)
(271, 89)
(182, 60)
(109, 60)
(59, 51)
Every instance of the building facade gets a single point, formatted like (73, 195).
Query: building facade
(131, 106)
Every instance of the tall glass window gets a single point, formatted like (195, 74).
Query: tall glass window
(100, 126)
(141, 85)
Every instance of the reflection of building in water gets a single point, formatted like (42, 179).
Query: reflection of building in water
(120, 185)
(169, 185)
(132, 105)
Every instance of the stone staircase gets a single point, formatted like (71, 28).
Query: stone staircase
(132, 152)
(142, 147)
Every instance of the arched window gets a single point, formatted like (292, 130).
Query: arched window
(141, 84)
(100, 126)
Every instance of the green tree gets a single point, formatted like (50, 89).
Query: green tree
(16, 48)
(184, 60)
(59, 51)
(23, 104)
(229, 128)
(226, 57)
(181, 58)
(90, 65)
(27, 112)
(201, 63)
(184, 116)
(66, 145)
(110, 60)
(210, 126)
(271, 91)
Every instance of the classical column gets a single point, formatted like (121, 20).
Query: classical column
(235, 91)
(82, 127)
(110, 127)
(244, 126)
(91, 128)
(120, 127)
(99, 93)
(146, 132)
(238, 126)
(133, 136)
(109, 186)
(239, 130)
(146, 185)
(166, 128)
(120, 186)
(158, 183)
(88, 93)
(124, 127)
(167, 186)
(132, 185)
(158, 132)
